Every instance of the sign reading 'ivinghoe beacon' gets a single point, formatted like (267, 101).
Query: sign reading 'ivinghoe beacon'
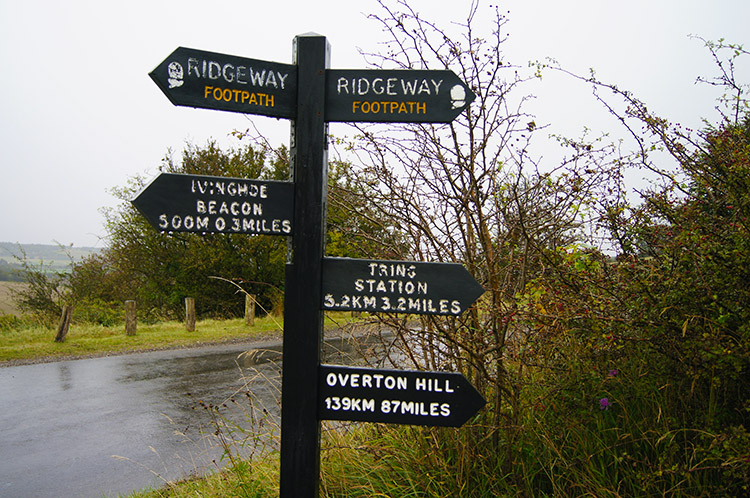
(209, 204)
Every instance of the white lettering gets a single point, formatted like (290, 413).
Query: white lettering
(214, 70)
(434, 409)
(363, 86)
(391, 86)
(193, 67)
(242, 75)
(334, 403)
(271, 80)
(228, 72)
(410, 88)
(342, 86)
(282, 79)
(257, 78)
(419, 408)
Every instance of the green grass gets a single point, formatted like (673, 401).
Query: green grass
(259, 479)
(34, 342)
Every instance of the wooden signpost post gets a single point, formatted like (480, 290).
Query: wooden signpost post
(311, 94)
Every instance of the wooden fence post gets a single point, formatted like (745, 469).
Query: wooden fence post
(250, 309)
(64, 326)
(190, 314)
(131, 318)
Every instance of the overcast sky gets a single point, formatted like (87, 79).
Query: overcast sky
(79, 114)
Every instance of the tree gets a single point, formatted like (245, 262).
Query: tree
(160, 270)
(471, 192)
(657, 329)
(688, 241)
(46, 292)
(356, 227)
(9, 273)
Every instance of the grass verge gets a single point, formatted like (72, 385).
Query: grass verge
(29, 343)
(257, 479)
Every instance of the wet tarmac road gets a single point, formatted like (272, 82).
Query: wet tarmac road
(109, 426)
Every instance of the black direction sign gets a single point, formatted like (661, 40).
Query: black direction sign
(406, 96)
(396, 396)
(398, 287)
(196, 78)
(208, 204)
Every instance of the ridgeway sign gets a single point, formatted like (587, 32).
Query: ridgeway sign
(405, 96)
(209, 204)
(396, 396)
(196, 78)
(398, 287)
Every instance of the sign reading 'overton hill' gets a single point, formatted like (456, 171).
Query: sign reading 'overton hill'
(396, 396)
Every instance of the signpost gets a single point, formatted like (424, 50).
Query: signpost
(396, 396)
(312, 94)
(406, 96)
(398, 287)
(303, 318)
(196, 78)
(209, 204)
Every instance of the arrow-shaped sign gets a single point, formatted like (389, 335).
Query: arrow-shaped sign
(209, 204)
(398, 287)
(196, 78)
(396, 396)
(407, 96)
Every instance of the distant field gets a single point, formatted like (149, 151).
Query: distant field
(6, 304)
(53, 258)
